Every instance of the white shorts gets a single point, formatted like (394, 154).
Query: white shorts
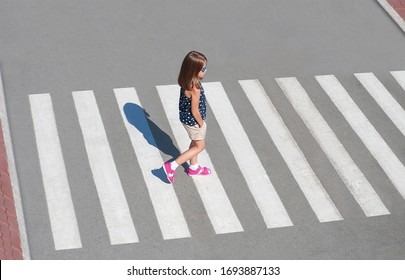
(195, 132)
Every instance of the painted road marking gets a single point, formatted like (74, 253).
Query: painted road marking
(62, 215)
(213, 195)
(115, 208)
(310, 185)
(394, 169)
(399, 77)
(164, 200)
(381, 95)
(266, 197)
(351, 175)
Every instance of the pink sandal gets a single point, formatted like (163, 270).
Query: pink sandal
(169, 172)
(199, 171)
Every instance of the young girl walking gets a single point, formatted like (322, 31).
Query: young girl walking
(192, 113)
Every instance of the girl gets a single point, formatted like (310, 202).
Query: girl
(192, 113)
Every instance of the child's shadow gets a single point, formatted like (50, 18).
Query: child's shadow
(139, 118)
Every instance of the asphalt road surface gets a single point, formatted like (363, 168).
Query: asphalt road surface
(308, 157)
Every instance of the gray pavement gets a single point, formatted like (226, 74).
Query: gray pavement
(58, 47)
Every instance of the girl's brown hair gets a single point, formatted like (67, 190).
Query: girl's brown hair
(191, 66)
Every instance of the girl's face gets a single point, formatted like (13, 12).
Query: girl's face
(203, 71)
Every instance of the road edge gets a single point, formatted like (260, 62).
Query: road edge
(394, 15)
(15, 187)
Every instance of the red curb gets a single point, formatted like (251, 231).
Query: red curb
(5, 231)
(399, 7)
(3, 217)
(10, 242)
(7, 192)
(401, 13)
(17, 255)
(397, 3)
(2, 255)
(2, 201)
(12, 221)
(10, 206)
(7, 248)
(15, 239)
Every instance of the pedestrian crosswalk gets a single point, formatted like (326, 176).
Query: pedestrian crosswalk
(108, 184)
(384, 99)
(60, 205)
(262, 189)
(392, 166)
(400, 77)
(216, 202)
(312, 188)
(218, 205)
(351, 175)
(167, 208)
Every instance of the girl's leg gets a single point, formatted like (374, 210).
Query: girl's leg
(194, 159)
(196, 146)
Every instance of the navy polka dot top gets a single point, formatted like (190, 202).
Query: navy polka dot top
(185, 114)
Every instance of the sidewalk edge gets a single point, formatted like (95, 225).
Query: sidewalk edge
(13, 173)
(394, 15)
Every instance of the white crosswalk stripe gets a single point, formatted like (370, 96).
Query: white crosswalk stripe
(316, 195)
(62, 214)
(263, 191)
(400, 77)
(351, 175)
(392, 166)
(213, 195)
(381, 95)
(218, 206)
(116, 212)
(167, 208)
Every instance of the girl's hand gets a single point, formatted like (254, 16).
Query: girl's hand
(195, 99)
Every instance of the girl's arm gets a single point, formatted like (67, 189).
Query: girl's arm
(195, 100)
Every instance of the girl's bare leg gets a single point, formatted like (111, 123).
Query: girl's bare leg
(194, 159)
(196, 146)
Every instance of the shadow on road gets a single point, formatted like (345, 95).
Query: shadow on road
(156, 137)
